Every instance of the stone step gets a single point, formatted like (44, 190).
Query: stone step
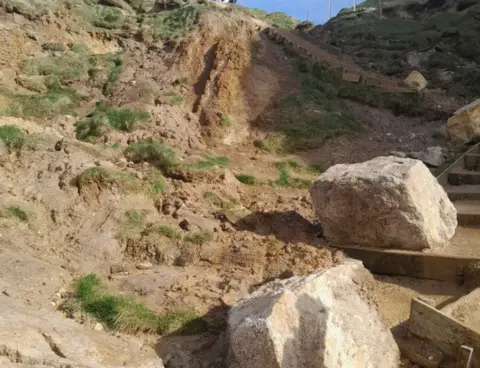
(472, 161)
(463, 192)
(460, 176)
(468, 212)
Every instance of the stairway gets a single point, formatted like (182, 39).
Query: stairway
(461, 181)
(349, 71)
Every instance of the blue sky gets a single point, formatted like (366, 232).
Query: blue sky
(298, 8)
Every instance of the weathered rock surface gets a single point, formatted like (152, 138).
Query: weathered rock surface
(433, 156)
(387, 202)
(464, 125)
(40, 338)
(322, 320)
(416, 80)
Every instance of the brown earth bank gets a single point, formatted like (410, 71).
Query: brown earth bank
(169, 152)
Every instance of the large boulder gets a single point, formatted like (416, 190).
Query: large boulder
(416, 81)
(45, 339)
(464, 125)
(323, 320)
(387, 202)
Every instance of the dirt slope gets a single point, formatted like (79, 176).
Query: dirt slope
(169, 152)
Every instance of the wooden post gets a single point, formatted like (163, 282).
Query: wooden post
(329, 9)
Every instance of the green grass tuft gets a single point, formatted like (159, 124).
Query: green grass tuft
(173, 24)
(164, 230)
(12, 136)
(116, 68)
(157, 153)
(198, 237)
(246, 179)
(17, 212)
(60, 101)
(216, 200)
(158, 183)
(103, 117)
(127, 315)
(209, 162)
(135, 218)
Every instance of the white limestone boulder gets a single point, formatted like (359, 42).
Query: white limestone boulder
(387, 202)
(323, 320)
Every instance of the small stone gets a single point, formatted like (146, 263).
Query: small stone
(184, 224)
(66, 150)
(117, 268)
(98, 327)
(59, 146)
(144, 266)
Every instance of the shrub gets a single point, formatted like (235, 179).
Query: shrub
(116, 67)
(17, 212)
(198, 237)
(157, 153)
(102, 117)
(12, 136)
(246, 179)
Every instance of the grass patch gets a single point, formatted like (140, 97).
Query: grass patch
(102, 16)
(314, 114)
(17, 212)
(127, 315)
(246, 179)
(217, 201)
(66, 67)
(274, 142)
(157, 153)
(164, 230)
(152, 185)
(103, 117)
(80, 48)
(116, 68)
(158, 183)
(281, 20)
(135, 218)
(284, 179)
(13, 137)
(174, 99)
(226, 121)
(209, 162)
(61, 101)
(198, 237)
(173, 24)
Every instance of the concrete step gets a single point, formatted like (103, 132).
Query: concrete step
(468, 212)
(460, 176)
(463, 192)
(472, 161)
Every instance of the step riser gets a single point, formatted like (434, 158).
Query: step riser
(472, 163)
(463, 179)
(468, 219)
(464, 196)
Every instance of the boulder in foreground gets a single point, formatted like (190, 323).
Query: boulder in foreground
(387, 202)
(323, 320)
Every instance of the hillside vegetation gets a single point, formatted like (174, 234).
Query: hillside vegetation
(440, 38)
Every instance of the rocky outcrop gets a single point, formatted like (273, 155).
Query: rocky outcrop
(387, 202)
(40, 338)
(416, 81)
(464, 125)
(323, 320)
